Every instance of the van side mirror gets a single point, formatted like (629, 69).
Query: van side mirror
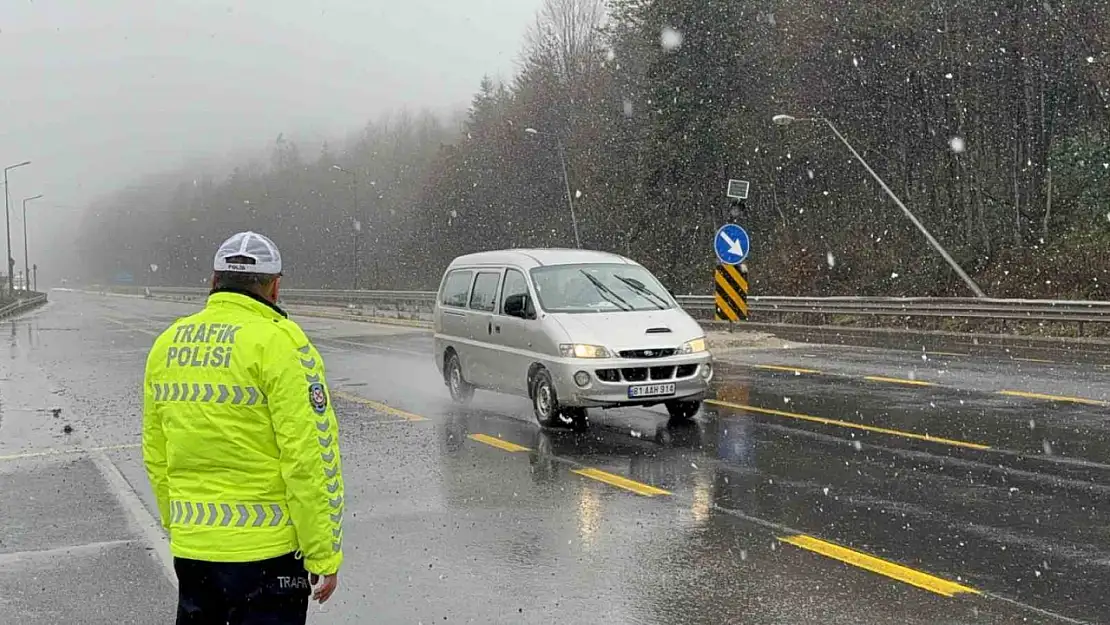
(519, 306)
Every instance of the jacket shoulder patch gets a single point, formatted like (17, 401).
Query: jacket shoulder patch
(318, 397)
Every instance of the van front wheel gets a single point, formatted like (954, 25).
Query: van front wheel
(461, 390)
(545, 402)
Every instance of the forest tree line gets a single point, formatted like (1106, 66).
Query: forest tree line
(990, 120)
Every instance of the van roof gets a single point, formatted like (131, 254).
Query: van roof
(530, 258)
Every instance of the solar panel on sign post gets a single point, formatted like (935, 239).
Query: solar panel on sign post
(738, 189)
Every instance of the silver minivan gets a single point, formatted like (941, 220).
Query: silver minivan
(569, 329)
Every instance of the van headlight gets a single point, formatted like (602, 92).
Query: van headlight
(579, 350)
(692, 347)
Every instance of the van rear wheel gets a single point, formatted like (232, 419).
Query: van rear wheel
(683, 410)
(461, 390)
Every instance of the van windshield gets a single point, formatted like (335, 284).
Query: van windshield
(589, 288)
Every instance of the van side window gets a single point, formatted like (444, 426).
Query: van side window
(515, 284)
(455, 288)
(484, 295)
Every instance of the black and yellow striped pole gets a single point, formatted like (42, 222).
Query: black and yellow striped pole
(732, 245)
(731, 292)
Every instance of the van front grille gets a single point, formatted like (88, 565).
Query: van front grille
(643, 374)
(608, 375)
(648, 353)
(686, 371)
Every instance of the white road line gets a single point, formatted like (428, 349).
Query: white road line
(141, 519)
(8, 559)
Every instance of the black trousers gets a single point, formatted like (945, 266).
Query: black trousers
(268, 592)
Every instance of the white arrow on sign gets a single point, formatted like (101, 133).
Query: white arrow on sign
(733, 246)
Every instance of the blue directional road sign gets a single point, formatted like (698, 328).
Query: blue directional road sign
(732, 244)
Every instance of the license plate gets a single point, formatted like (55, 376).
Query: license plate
(651, 390)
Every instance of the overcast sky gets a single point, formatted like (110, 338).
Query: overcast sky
(95, 92)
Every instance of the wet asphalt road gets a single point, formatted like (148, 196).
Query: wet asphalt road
(808, 493)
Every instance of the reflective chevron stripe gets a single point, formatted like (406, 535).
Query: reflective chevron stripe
(329, 452)
(209, 393)
(213, 514)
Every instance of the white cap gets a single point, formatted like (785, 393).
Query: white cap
(267, 259)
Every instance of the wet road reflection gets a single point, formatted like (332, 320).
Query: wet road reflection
(447, 525)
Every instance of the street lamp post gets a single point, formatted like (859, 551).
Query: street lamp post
(26, 261)
(566, 180)
(786, 120)
(8, 225)
(358, 223)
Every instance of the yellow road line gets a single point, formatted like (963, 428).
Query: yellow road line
(849, 424)
(867, 562)
(1074, 400)
(785, 368)
(493, 441)
(377, 405)
(621, 482)
(72, 450)
(879, 378)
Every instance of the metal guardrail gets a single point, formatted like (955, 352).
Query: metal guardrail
(26, 302)
(703, 306)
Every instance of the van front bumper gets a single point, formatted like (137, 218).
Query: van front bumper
(610, 380)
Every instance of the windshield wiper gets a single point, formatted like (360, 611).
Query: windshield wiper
(648, 294)
(607, 293)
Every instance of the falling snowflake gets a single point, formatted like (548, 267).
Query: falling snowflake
(948, 75)
(830, 259)
(577, 194)
(810, 173)
(957, 144)
(1090, 59)
(153, 267)
(894, 275)
(627, 107)
(610, 54)
(671, 39)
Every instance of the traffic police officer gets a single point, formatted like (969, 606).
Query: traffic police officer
(241, 446)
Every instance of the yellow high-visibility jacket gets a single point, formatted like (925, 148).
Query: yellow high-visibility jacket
(240, 440)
